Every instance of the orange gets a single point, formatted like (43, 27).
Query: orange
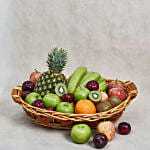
(85, 107)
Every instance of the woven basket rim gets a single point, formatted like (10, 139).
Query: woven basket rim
(132, 93)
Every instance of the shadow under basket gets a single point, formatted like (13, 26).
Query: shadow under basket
(59, 120)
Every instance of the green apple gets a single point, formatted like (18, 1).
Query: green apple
(51, 100)
(80, 133)
(65, 107)
(81, 93)
(30, 98)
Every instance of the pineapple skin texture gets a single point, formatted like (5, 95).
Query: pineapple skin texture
(47, 82)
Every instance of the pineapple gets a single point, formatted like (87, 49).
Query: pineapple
(56, 61)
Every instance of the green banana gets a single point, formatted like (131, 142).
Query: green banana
(101, 80)
(103, 86)
(69, 79)
(75, 78)
(88, 77)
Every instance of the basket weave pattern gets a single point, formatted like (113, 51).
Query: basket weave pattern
(59, 120)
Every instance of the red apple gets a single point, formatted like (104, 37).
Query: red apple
(35, 76)
(118, 92)
(113, 85)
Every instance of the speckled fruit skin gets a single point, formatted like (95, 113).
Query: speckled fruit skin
(124, 128)
(108, 128)
(118, 92)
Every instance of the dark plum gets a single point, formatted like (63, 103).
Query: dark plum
(92, 85)
(38, 103)
(50, 108)
(100, 140)
(24, 94)
(124, 128)
(28, 86)
(68, 97)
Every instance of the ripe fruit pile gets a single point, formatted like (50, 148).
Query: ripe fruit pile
(82, 93)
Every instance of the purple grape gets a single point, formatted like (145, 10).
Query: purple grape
(50, 108)
(92, 85)
(28, 86)
(68, 98)
(24, 94)
(38, 103)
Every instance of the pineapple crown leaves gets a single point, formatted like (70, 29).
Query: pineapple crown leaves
(57, 60)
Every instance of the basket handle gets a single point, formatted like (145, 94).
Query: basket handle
(16, 94)
(132, 89)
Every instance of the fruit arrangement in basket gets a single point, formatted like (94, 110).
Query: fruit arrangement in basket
(82, 93)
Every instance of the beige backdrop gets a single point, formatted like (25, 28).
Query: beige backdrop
(110, 37)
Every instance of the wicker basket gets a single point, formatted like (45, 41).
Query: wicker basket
(59, 120)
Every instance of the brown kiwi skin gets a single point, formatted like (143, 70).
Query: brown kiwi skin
(115, 101)
(103, 106)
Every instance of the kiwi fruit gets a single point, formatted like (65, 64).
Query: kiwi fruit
(60, 89)
(115, 101)
(103, 106)
(95, 96)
